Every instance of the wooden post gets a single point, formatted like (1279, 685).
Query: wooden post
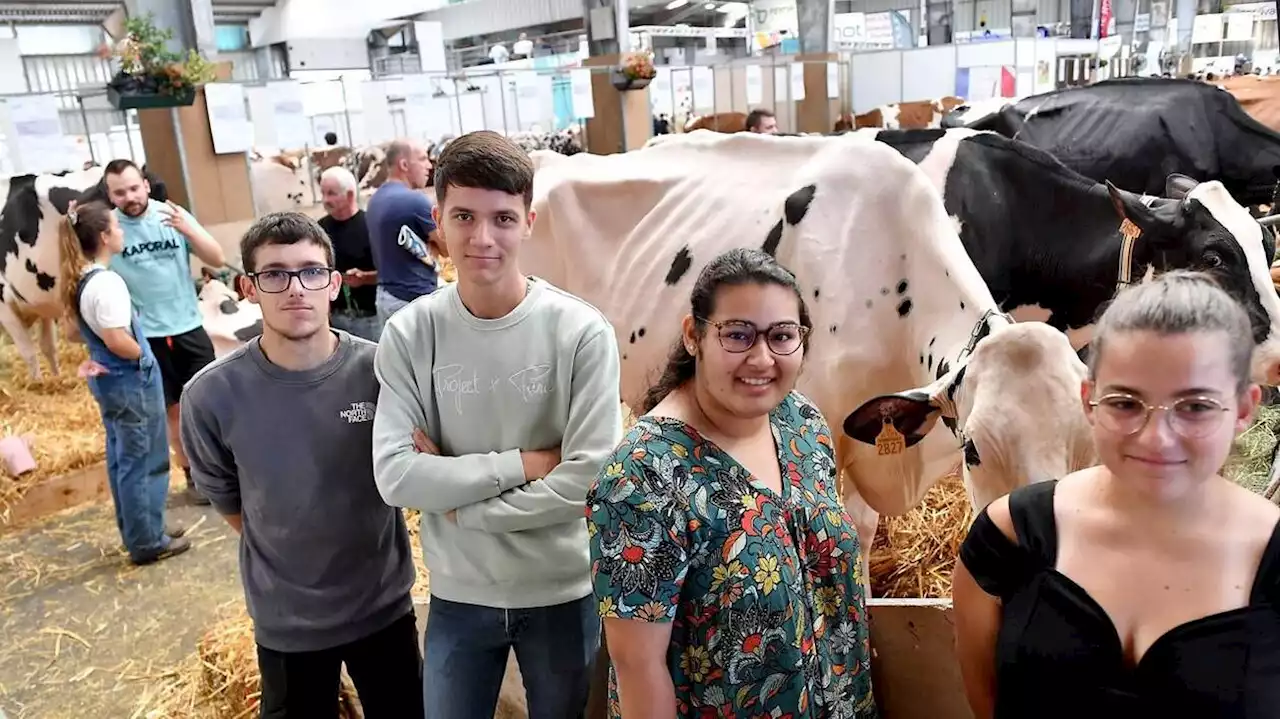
(623, 120)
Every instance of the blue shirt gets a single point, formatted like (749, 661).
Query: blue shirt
(395, 214)
(156, 267)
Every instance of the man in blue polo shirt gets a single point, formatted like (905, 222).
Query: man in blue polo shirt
(401, 230)
(159, 238)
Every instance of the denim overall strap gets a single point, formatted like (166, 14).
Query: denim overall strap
(131, 400)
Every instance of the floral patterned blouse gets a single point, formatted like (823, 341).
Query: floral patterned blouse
(764, 591)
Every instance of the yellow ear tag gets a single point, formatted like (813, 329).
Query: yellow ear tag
(1129, 231)
(890, 441)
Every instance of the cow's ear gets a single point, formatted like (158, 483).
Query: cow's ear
(1129, 207)
(912, 414)
(1178, 186)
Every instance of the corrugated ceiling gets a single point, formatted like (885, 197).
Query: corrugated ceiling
(95, 11)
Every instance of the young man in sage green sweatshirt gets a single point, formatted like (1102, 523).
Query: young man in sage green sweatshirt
(499, 404)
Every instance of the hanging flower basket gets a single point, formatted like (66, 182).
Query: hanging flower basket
(635, 72)
(624, 83)
(150, 75)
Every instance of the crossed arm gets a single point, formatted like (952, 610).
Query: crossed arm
(492, 491)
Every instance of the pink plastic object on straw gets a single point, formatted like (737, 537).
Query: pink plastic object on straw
(16, 455)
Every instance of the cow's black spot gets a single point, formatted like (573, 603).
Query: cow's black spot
(943, 368)
(955, 386)
(971, 458)
(929, 366)
(228, 307)
(640, 332)
(633, 338)
(931, 341)
(884, 291)
(833, 329)
(902, 286)
(904, 307)
(961, 304)
(868, 304)
(31, 266)
(797, 204)
(45, 282)
(244, 334)
(680, 264)
(921, 358)
(950, 423)
(947, 272)
(771, 242)
(816, 292)
(61, 198)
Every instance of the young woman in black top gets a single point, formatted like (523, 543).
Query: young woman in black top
(1148, 586)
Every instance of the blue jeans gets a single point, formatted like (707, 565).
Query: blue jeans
(368, 327)
(133, 414)
(387, 304)
(465, 652)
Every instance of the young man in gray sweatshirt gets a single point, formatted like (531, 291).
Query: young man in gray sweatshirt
(499, 405)
(280, 436)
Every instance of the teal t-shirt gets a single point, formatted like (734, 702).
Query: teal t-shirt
(156, 266)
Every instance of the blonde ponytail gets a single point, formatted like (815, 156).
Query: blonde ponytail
(79, 238)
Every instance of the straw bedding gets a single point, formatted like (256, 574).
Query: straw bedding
(1250, 462)
(58, 413)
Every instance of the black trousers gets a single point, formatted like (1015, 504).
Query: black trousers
(386, 668)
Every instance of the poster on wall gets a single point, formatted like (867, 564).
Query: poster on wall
(228, 118)
(36, 141)
(584, 105)
(755, 84)
(293, 127)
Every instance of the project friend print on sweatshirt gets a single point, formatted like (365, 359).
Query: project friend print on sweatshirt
(453, 382)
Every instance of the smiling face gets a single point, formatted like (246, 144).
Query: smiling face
(483, 231)
(750, 383)
(1177, 449)
(300, 308)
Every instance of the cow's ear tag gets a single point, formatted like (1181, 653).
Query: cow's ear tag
(890, 441)
(1129, 231)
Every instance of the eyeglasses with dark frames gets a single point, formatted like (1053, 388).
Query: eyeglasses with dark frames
(738, 336)
(1190, 417)
(277, 281)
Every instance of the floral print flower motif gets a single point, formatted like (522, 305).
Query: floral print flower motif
(763, 589)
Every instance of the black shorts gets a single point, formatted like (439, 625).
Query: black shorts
(179, 358)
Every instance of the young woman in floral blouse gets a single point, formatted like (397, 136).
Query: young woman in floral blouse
(727, 572)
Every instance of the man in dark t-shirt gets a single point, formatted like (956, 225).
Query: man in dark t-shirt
(401, 232)
(355, 309)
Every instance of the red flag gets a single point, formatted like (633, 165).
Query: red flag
(1104, 18)
(1008, 82)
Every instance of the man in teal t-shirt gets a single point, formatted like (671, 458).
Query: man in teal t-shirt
(156, 265)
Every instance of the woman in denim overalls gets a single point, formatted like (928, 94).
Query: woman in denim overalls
(124, 379)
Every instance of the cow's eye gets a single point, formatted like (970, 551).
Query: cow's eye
(1212, 259)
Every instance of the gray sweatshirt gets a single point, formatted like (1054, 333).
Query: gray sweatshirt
(324, 560)
(545, 375)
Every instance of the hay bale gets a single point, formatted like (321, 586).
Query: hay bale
(912, 555)
(58, 411)
(1249, 464)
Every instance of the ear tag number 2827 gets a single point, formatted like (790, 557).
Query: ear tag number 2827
(890, 441)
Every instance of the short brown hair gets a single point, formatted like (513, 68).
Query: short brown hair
(283, 228)
(485, 160)
(757, 116)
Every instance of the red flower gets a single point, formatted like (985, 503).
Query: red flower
(633, 554)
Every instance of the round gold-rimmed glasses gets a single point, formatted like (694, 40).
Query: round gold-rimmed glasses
(1189, 417)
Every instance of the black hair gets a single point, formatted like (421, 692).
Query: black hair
(739, 266)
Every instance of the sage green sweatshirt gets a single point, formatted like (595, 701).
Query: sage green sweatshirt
(545, 375)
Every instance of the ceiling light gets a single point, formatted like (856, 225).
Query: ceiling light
(676, 3)
(709, 6)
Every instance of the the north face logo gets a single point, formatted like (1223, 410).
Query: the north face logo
(359, 412)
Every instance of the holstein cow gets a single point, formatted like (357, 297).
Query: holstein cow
(886, 278)
(1064, 265)
(1135, 132)
(230, 320)
(30, 258)
(916, 115)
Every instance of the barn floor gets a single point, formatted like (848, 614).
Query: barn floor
(81, 628)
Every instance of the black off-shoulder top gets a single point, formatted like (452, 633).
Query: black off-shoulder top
(1058, 654)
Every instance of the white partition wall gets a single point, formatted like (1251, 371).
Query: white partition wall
(877, 79)
(928, 73)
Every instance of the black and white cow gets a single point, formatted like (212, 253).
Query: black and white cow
(30, 257)
(1062, 264)
(892, 295)
(1135, 132)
